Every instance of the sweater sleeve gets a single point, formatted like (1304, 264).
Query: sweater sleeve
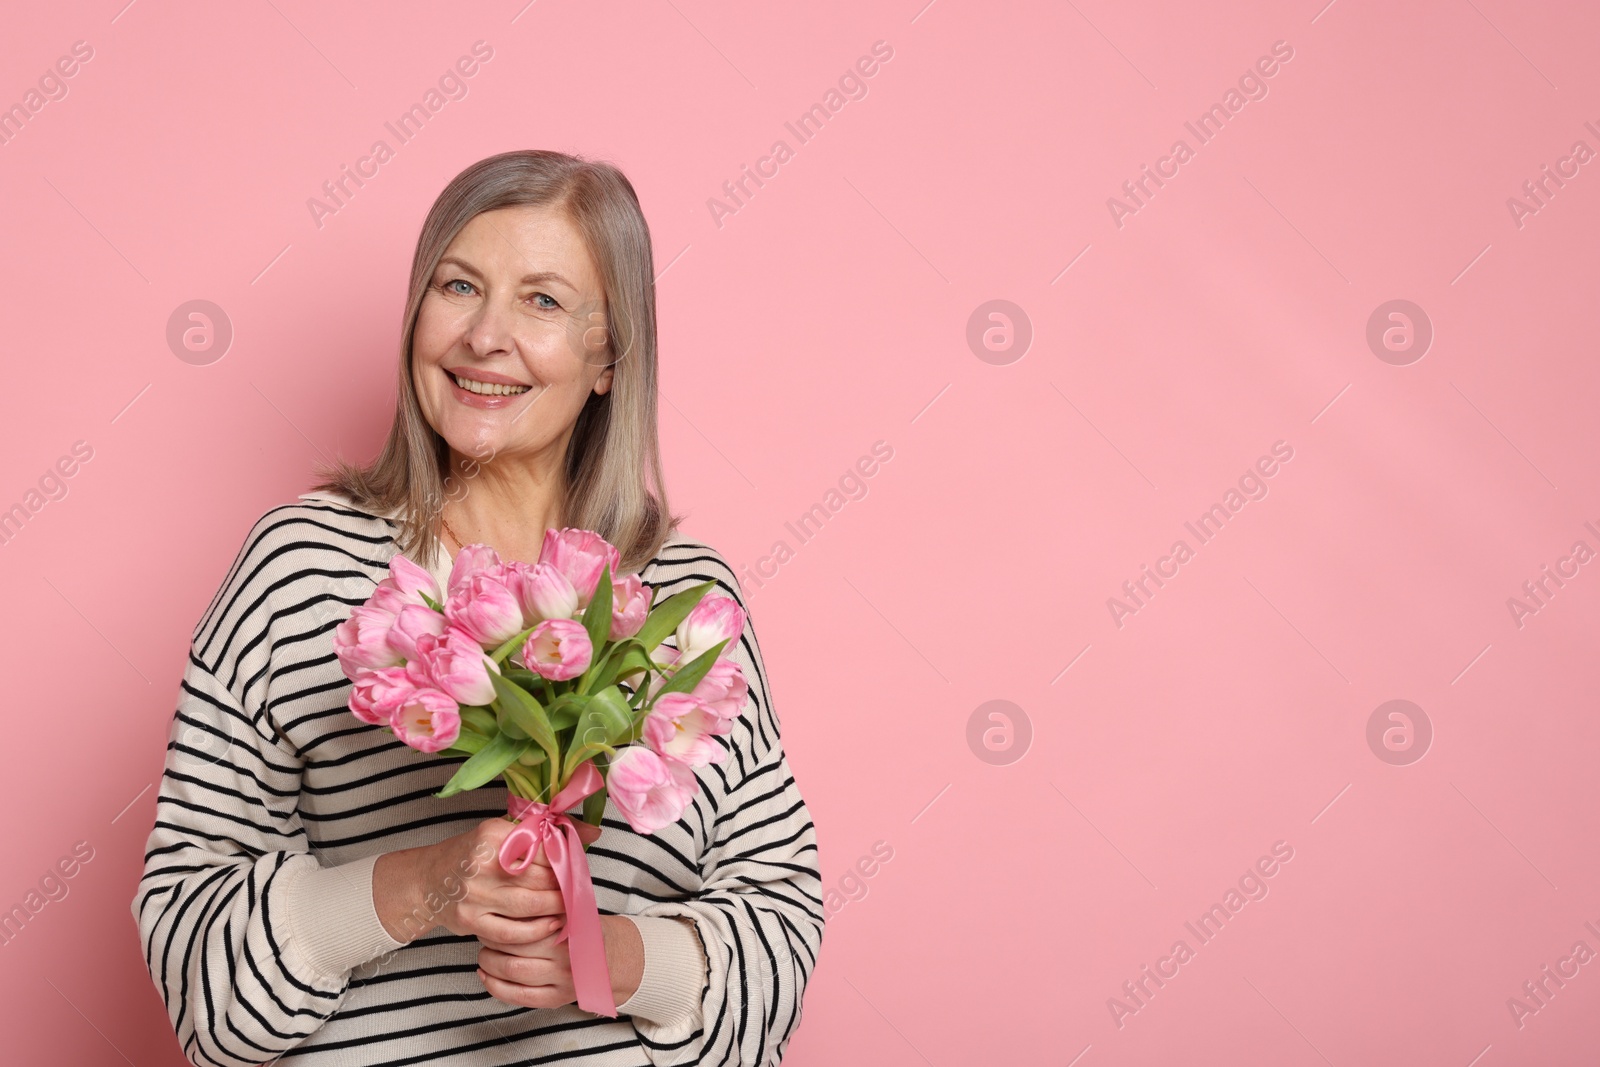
(247, 937)
(758, 911)
(674, 972)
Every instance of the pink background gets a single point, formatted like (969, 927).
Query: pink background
(830, 312)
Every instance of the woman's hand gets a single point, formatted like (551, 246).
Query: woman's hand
(459, 884)
(538, 974)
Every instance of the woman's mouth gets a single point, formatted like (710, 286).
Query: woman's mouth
(472, 385)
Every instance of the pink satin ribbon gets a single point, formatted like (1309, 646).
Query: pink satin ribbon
(550, 826)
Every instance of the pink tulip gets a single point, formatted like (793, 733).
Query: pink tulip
(630, 606)
(650, 791)
(386, 598)
(545, 593)
(362, 640)
(485, 609)
(378, 694)
(580, 555)
(454, 664)
(412, 580)
(471, 560)
(414, 621)
(406, 584)
(667, 658)
(510, 574)
(723, 690)
(558, 649)
(428, 721)
(714, 619)
(680, 728)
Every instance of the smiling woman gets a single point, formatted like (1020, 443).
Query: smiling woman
(306, 895)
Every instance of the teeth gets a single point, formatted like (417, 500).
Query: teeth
(487, 388)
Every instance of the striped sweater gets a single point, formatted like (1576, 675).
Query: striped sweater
(255, 906)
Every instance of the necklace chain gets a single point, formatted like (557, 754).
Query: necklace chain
(451, 531)
(460, 544)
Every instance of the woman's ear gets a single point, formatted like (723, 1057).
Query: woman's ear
(602, 384)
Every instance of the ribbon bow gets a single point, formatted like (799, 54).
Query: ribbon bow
(550, 826)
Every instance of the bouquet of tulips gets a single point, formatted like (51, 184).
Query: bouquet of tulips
(552, 675)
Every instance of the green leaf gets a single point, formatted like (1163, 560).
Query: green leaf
(597, 621)
(606, 719)
(565, 711)
(594, 805)
(495, 756)
(597, 666)
(506, 724)
(466, 745)
(479, 720)
(518, 705)
(632, 661)
(432, 603)
(532, 682)
(610, 711)
(624, 658)
(666, 616)
(687, 677)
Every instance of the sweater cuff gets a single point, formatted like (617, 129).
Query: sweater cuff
(674, 971)
(332, 919)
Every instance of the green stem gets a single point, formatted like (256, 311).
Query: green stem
(594, 807)
(524, 782)
(511, 645)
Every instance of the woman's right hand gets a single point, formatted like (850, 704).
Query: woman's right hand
(458, 883)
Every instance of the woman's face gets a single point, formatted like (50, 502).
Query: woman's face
(512, 322)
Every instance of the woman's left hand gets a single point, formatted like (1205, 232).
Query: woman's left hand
(538, 974)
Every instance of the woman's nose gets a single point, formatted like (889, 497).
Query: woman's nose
(491, 330)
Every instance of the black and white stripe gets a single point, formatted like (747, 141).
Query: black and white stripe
(266, 767)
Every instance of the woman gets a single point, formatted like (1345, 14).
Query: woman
(305, 895)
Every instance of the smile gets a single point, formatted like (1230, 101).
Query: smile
(488, 388)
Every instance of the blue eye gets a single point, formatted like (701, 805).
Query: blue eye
(457, 281)
(550, 306)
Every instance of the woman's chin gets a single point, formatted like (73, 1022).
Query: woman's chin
(473, 438)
